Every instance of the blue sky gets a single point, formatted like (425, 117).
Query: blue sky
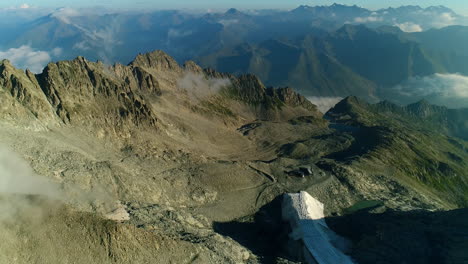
(460, 6)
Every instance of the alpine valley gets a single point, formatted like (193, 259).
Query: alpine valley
(157, 162)
(192, 158)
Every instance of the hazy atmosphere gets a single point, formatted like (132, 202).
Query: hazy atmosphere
(457, 5)
(256, 132)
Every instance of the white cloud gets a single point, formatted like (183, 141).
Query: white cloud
(444, 20)
(324, 103)
(175, 33)
(228, 22)
(450, 90)
(409, 27)
(81, 46)
(64, 14)
(26, 57)
(25, 6)
(57, 52)
(437, 19)
(103, 40)
(198, 86)
(16, 176)
(368, 19)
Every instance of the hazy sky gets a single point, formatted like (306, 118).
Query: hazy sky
(460, 6)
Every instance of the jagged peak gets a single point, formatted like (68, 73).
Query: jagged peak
(440, 8)
(421, 104)
(192, 66)
(252, 80)
(332, 6)
(5, 62)
(80, 59)
(5, 65)
(351, 100)
(336, 5)
(157, 59)
(348, 103)
(7, 68)
(424, 108)
(302, 7)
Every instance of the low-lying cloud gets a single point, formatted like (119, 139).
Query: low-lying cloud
(324, 103)
(18, 181)
(368, 19)
(17, 177)
(176, 33)
(65, 14)
(444, 20)
(26, 57)
(450, 90)
(409, 27)
(228, 22)
(200, 87)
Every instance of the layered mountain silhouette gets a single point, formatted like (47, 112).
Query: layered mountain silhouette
(115, 37)
(354, 60)
(332, 51)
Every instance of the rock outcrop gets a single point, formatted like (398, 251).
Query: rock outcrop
(116, 98)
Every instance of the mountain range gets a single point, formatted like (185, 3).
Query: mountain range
(117, 36)
(154, 161)
(331, 51)
(354, 60)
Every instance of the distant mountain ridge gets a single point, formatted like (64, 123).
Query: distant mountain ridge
(413, 131)
(155, 162)
(353, 60)
(115, 37)
(452, 122)
(331, 51)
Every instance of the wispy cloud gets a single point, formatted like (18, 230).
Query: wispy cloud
(409, 27)
(65, 14)
(450, 90)
(228, 22)
(368, 19)
(199, 87)
(103, 39)
(17, 177)
(176, 33)
(443, 20)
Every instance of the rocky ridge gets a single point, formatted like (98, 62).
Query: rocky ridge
(193, 156)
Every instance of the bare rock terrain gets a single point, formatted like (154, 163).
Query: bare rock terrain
(148, 160)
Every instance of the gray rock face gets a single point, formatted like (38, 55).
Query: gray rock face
(190, 166)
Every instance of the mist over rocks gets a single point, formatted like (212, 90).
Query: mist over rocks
(17, 177)
(200, 87)
(130, 143)
(324, 103)
(450, 90)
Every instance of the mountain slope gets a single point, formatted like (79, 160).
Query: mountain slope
(355, 60)
(428, 157)
(111, 36)
(158, 152)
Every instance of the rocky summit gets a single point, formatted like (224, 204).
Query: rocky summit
(154, 162)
